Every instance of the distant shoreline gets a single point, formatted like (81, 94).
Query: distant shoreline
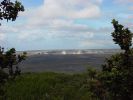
(72, 51)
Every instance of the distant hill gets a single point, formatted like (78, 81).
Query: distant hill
(73, 51)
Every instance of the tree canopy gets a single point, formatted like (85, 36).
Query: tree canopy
(9, 10)
(122, 36)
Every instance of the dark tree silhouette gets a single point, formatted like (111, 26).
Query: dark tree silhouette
(9, 11)
(122, 36)
(9, 59)
(117, 74)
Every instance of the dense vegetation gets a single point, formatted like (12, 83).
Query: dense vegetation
(50, 86)
(114, 82)
(117, 74)
(9, 59)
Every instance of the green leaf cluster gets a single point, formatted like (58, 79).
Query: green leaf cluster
(117, 72)
(10, 59)
(9, 10)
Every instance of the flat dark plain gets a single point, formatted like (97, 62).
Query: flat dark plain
(62, 63)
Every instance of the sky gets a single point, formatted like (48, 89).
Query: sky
(66, 24)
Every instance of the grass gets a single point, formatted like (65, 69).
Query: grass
(48, 86)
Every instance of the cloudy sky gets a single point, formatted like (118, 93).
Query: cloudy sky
(66, 24)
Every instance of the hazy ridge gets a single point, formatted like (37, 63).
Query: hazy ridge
(72, 51)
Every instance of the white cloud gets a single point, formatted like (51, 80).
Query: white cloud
(2, 37)
(55, 19)
(70, 8)
(60, 9)
(8, 29)
(58, 16)
(98, 44)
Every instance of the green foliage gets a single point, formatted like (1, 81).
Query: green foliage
(9, 10)
(92, 73)
(3, 76)
(117, 73)
(3, 79)
(122, 36)
(115, 81)
(50, 86)
(10, 59)
(95, 85)
(115, 61)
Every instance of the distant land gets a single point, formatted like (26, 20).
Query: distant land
(72, 51)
